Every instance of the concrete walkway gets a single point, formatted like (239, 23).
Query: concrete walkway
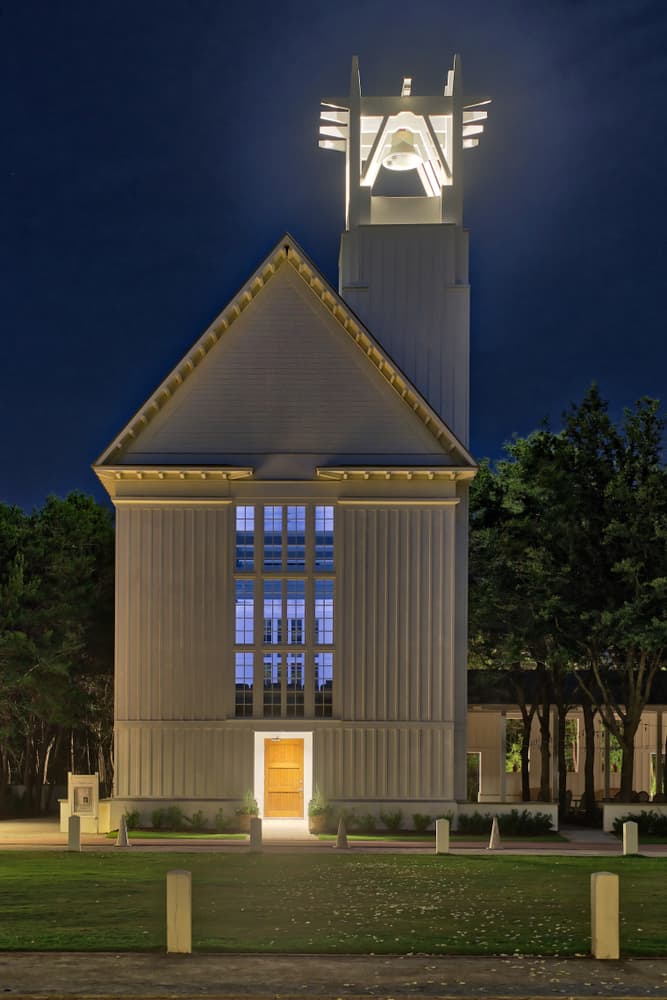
(267, 977)
(289, 836)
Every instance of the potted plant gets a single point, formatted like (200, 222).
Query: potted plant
(318, 812)
(246, 811)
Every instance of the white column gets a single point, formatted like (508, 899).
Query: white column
(607, 761)
(554, 754)
(503, 750)
(659, 739)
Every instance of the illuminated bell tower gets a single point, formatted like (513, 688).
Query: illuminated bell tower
(403, 263)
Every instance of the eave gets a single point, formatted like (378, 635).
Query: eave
(415, 474)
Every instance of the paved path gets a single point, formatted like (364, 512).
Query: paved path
(323, 976)
(45, 834)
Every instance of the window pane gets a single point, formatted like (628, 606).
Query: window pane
(244, 683)
(324, 537)
(296, 537)
(272, 684)
(296, 612)
(245, 612)
(324, 613)
(273, 538)
(245, 537)
(295, 678)
(273, 612)
(323, 684)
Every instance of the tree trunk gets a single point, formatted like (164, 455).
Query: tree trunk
(589, 759)
(525, 761)
(545, 753)
(627, 768)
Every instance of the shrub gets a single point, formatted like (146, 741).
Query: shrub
(392, 819)
(524, 823)
(318, 805)
(649, 823)
(158, 819)
(350, 818)
(220, 822)
(249, 805)
(421, 822)
(197, 821)
(132, 818)
(170, 818)
(367, 823)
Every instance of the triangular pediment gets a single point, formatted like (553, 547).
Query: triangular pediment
(285, 381)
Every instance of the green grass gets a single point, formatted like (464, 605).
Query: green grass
(335, 903)
(410, 836)
(177, 835)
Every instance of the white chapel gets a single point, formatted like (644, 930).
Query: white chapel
(291, 506)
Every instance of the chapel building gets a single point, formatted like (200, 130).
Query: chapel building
(291, 603)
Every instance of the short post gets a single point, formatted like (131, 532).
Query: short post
(604, 915)
(179, 912)
(122, 838)
(494, 839)
(341, 836)
(74, 833)
(442, 836)
(255, 833)
(630, 837)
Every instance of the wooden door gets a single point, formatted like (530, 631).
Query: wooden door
(283, 778)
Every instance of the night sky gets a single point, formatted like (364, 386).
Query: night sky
(154, 151)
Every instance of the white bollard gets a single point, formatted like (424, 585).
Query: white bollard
(630, 837)
(604, 915)
(255, 833)
(179, 912)
(442, 836)
(122, 838)
(341, 836)
(74, 833)
(494, 839)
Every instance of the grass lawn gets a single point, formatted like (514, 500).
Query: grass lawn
(543, 838)
(176, 835)
(328, 903)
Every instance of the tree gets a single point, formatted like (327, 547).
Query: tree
(56, 644)
(618, 527)
(569, 568)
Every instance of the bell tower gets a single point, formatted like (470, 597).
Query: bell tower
(403, 263)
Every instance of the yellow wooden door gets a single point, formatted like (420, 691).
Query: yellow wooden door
(283, 778)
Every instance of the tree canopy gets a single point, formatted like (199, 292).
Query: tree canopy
(56, 643)
(568, 562)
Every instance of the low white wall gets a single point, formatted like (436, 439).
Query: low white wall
(611, 810)
(502, 808)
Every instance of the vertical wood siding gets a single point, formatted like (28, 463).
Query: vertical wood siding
(174, 613)
(396, 622)
(385, 764)
(188, 762)
(409, 285)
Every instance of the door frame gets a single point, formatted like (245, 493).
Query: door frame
(281, 734)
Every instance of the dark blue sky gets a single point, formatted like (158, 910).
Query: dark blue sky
(153, 151)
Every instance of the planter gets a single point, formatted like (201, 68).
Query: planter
(243, 821)
(319, 823)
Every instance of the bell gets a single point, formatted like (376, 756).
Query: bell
(403, 154)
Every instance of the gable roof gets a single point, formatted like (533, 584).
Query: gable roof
(124, 450)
